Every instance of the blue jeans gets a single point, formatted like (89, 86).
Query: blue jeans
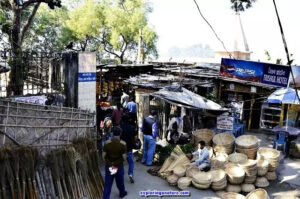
(106, 137)
(130, 161)
(149, 149)
(109, 180)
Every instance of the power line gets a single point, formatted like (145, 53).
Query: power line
(230, 55)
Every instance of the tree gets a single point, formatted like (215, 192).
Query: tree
(112, 27)
(48, 34)
(19, 16)
(241, 5)
(85, 23)
(123, 23)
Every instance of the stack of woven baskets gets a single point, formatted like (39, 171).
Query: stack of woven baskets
(202, 180)
(250, 168)
(223, 142)
(248, 145)
(237, 158)
(235, 174)
(270, 156)
(205, 135)
(219, 181)
(219, 161)
(184, 182)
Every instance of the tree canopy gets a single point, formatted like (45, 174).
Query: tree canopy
(241, 5)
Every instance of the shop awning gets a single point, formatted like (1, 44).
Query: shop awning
(284, 96)
(179, 95)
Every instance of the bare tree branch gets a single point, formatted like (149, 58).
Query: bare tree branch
(29, 21)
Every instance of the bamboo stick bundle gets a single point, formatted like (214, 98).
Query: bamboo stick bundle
(53, 165)
(28, 165)
(15, 164)
(69, 176)
(47, 175)
(62, 173)
(9, 171)
(2, 174)
(34, 164)
(96, 170)
(73, 157)
(24, 163)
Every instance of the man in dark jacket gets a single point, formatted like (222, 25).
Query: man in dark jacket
(149, 129)
(114, 153)
(129, 135)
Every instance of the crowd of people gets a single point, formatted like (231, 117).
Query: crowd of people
(120, 137)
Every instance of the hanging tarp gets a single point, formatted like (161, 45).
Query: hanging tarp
(179, 95)
(284, 96)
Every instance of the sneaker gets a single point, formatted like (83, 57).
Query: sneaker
(131, 179)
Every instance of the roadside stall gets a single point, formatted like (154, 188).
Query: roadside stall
(282, 107)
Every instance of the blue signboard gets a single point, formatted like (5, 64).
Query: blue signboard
(86, 77)
(265, 73)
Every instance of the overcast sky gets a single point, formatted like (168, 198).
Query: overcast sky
(178, 23)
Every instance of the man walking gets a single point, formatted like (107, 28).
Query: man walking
(117, 115)
(114, 153)
(132, 110)
(129, 135)
(149, 130)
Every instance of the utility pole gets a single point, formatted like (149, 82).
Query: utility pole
(286, 48)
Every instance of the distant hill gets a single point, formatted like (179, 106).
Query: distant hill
(196, 50)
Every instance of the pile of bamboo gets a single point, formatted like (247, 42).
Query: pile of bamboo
(65, 173)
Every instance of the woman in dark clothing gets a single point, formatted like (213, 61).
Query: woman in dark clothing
(129, 135)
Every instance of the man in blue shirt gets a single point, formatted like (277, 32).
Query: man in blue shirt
(203, 162)
(132, 110)
(149, 129)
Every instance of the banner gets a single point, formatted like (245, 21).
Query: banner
(265, 73)
(225, 123)
(87, 81)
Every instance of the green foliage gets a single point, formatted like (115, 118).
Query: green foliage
(165, 150)
(47, 32)
(187, 148)
(241, 5)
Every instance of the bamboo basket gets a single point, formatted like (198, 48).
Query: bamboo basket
(272, 155)
(205, 135)
(247, 188)
(172, 179)
(258, 194)
(237, 158)
(203, 178)
(223, 142)
(271, 175)
(235, 174)
(184, 182)
(262, 182)
(179, 171)
(191, 171)
(262, 166)
(251, 153)
(246, 142)
(200, 186)
(250, 179)
(233, 188)
(219, 161)
(232, 195)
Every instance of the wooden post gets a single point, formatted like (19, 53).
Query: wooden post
(220, 90)
(250, 116)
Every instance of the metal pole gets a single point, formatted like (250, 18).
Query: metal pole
(286, 48)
